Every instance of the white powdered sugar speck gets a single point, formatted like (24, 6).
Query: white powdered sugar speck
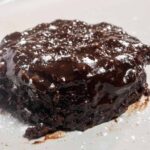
(89, 61)
(63, 79)
(25, 66)
(52, 86)
(59, 57)
(118, 49)
(22, 54)
(138, 45)
(89, 75)
(126, 44)
(36, 53)
(35, 60)
(30, 81)
(22, 42)
(46, 58)
(2, 63)
(125, 58)
(52, 27)
(101, 70)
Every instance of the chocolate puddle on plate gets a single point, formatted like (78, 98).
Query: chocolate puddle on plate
(53, 136)
(138, 106)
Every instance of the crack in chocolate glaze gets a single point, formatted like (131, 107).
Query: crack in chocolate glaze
(70, 75)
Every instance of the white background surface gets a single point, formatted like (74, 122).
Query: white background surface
(130, 133)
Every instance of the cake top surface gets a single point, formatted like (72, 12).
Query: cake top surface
(68, 50)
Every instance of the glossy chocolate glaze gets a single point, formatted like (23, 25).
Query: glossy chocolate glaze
(71, 75)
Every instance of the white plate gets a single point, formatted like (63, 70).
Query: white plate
(131, 132)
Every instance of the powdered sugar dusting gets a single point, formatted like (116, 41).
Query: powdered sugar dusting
(75, 42)
(46, 58)
(101, 70)
(138, 45)
(126, 44)
(22, 42)
(2, 63)
(30, 81)
(26, 67)
(89, 61)
(52, 86)
(125, 58)
(89, 75)
(121, 57)
(35, 60)
(52, 27)
(118, 49)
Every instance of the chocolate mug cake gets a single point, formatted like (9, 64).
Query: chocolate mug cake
(70, 75)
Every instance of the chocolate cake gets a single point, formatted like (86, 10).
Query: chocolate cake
(69, 75)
